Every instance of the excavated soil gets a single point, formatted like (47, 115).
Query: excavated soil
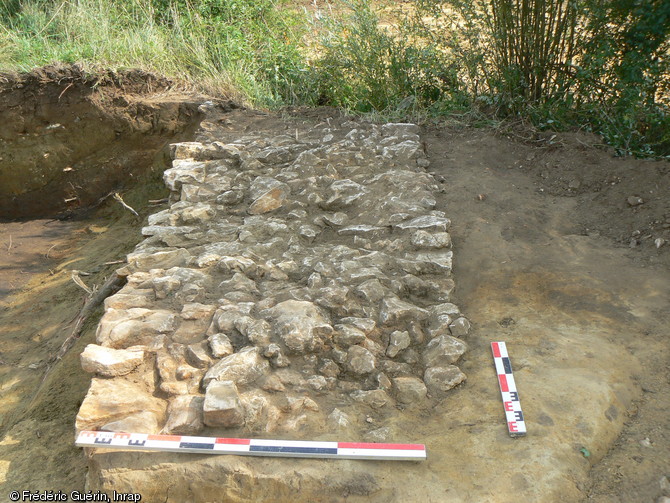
(550, 256)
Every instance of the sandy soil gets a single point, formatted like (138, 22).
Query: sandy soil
(542, 230)
(527, 265)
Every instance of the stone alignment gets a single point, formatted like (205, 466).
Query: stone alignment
(294, 283)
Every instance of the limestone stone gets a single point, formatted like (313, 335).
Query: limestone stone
(445, 308)
(424, 239)
(110, 400)
(426, 222)
(343, 193)
(393, 311)
(186, 372)
(410, 356)
(239, 282)
(439, 325)
(375, 398)
(129, 327)
(195, 193)
(200, 151)
(395, 369)
(336, 219)
(360, 361)
(267, 194)
(272, 350)
(362, 230)
(258, 332)
(241, 368)
(139, 422)
(197, 355)
(183, 171)
(197, 311)
(383, 382)
(276, 355)
(259, 413)
(222, 405)
(198, 214)
(366, 325)
(309, 232)
(315, 280)
(220, 345)
(182, 283)
(441, 379)
(460, 327)
(176, 388)
(225, 317)
(160, 260)
(409, 390)
(416, 332)
(139, 298)
(435, 262)
(185, 415)
(185, 150)
(443, 350)
(317, 383)
(191, 331)
(353, 272)
(346, 335)
(300, 325)
(397, 342)
(333, 296)
(274, 155)
(402, 152)
(270, 201)
(273, 384)
(329, 368)
(371, 291)
(110, 362)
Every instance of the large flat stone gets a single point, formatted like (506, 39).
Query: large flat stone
(135, 326)
(243, 367)
(110, 362)
(110, 400)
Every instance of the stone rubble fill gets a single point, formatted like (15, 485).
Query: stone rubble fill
(294, 282)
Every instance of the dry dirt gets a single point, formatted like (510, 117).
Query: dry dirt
(542, 231)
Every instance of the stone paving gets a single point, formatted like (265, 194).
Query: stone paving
(294, 282)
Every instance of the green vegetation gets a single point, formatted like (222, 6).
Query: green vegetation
(600, 65)
(247, 49)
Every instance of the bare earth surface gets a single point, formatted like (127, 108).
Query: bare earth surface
(542, 236)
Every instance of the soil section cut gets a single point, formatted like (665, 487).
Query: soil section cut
(68, 138)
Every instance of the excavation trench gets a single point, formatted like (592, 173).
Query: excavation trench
(68, 139)
(536, 265)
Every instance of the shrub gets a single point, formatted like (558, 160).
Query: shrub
(364, 67)
(598, 64)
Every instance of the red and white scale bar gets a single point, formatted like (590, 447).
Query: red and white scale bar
(510, 396)
(252, 447)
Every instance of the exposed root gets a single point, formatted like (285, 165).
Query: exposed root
(123, 203)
